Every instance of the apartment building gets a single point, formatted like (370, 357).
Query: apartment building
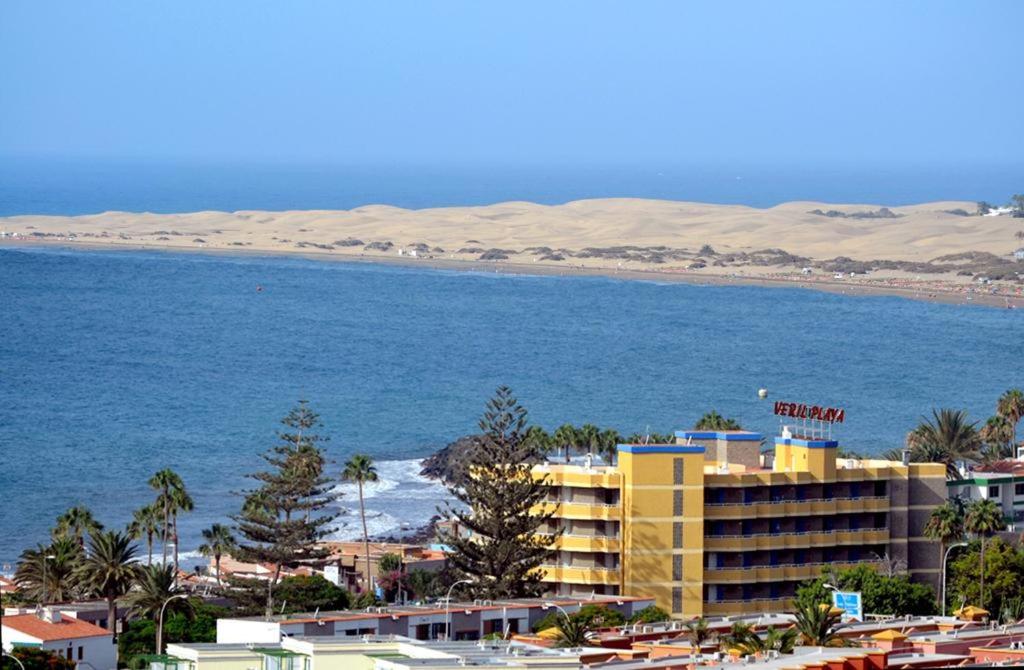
(711, 526)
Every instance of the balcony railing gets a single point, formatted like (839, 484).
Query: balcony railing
(785, 533)
(785, 502)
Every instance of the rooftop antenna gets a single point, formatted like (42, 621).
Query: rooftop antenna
(647, 434)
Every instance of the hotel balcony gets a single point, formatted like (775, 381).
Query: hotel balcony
(771, 573)
(821, 538)
(581, 575)
(588, 543)
(580, 510)
(758, 510)
(752, 606)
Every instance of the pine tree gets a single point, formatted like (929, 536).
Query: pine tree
(504, 552)
(283, 519)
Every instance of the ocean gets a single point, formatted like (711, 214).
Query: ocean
(79, 186)
(114, 364)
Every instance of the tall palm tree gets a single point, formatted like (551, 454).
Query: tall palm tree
(945, 525)
(1011, 406)
(172, 498)
(109, 569)
(155, 586)
(539, 438)
(76, 523)
(590, 437)
(697, 633)
(219, 541)
(998, 436)
(145, 523)
(948, 438)
(47, 573)
(609, 441)
(818, 625)
(360, 469)
(566, 436)
(984, 517)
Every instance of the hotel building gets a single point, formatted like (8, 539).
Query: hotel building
(711, 526)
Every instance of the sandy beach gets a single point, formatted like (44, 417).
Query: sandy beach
(934, 251)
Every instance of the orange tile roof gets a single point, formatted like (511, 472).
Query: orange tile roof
(66, 629)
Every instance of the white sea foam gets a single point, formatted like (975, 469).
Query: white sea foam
(400, 501)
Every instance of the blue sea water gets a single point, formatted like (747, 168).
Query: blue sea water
(116, 364)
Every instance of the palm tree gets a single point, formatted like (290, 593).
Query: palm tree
(998, 436)
(566, 436)
(572, 632)
(47, 574)
(948, 437)
(145, 523)
(715, 421)
(590, 437)
(945, 525)
(782, 640)
(171, 499)
(109, 569)
(76, 523)
(360, 469)
(742, 638)
(984, 517)
(697, 633)
(1011, 406)
(219, 541)
(539, 437)
(817, 625)
(156, 590)
(609, 440)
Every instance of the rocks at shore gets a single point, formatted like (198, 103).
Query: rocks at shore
(444, 464)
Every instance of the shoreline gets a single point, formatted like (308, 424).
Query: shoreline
(942, 292)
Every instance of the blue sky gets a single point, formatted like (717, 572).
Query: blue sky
(515, 82)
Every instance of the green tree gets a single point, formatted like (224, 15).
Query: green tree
(745, 640)
(698, 633)
(566, 437)
(984, 517)
(998, 437)
(504, 554)
(818, 625)
(889, 594)
(108, 570)
(572, 632)
(715, 421)
(145, 523)
(361, 470)
(76, 523)
(649, 614)
(945, 525)
(33, 658)
(609, 440)
(540, 439)
(218, 540)
(1004, 575)
(984, 208)
(590, 438)
(948, 437)
(172, 499)
(49, 573)
(283, 520)
(390, 575)
(422, 583)
(1017, 203)
(155, 589)
(1011, 407)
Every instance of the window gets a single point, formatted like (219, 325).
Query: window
(677, 567)
(677, 503)
(677, 535)
(1018, 489)
(993, 492)
(79, 653)
(677, 600)
(677, 471)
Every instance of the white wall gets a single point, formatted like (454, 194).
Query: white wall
(99, 652)
(246, 631)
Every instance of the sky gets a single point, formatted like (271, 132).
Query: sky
(518, 82)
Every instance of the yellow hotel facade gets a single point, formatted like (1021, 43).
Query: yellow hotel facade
(710, 526)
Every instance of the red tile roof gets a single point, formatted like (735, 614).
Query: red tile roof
(66, 629)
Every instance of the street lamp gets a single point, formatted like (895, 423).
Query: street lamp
(447, 608)
(160, 622)
(945, 558)
(13, 658)
(558, 607)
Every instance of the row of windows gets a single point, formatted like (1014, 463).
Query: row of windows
(800, 524)
(791, 557)
(794, 493)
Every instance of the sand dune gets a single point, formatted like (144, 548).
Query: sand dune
(920, 233)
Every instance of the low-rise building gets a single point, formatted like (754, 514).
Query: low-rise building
(50, 630)
(1002, 481)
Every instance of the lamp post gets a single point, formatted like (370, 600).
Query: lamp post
(945, 559)
(160, 622)
(558, 607)
(447, 608)
(13, 658)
